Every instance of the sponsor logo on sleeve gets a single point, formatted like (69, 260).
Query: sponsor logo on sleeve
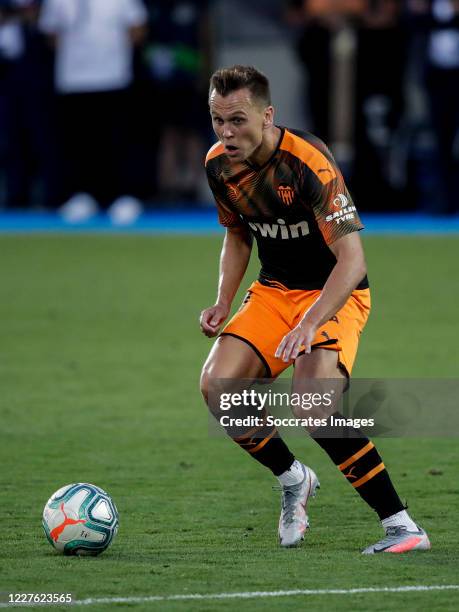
(341, 201)
(345, 211)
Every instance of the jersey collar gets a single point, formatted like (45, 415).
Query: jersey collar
(256, 167)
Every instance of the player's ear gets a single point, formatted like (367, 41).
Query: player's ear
(268, 118)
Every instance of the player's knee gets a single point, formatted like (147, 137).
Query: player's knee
(209, 392)
(204, 384)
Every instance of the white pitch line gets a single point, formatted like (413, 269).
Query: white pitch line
(247, 595)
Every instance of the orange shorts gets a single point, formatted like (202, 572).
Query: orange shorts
(267, 314)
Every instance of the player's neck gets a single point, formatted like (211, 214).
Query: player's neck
(267, 147)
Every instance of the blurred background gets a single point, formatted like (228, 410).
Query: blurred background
(103, 103)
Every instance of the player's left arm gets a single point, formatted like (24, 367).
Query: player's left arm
(349, 270)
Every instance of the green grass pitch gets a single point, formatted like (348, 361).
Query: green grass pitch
(100, 361)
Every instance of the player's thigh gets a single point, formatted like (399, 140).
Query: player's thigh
(230, 358)
(319, 363)
(319, 373)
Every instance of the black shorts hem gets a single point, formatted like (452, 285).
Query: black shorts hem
(263, 360)
(341, 365)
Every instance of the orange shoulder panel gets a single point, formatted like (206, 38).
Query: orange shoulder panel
(309, 155)
(214, 151)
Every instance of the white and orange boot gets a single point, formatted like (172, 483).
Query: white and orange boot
(293, 521)
(399, 539)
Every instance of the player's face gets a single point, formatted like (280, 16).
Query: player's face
(239, 123)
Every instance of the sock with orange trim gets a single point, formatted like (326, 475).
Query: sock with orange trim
(264, 444)
(360, 463)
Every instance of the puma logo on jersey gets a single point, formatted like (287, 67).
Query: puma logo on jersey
(234, 191)
(281, 229)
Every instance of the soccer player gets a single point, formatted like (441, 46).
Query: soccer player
(310, 302)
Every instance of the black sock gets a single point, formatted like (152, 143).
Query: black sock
(359, 461)
(266, 446)
(259, 439)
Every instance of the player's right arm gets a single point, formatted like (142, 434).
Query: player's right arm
(234, 259)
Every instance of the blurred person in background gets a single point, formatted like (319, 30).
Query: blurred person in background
(353, 53)
(381, 62)
(26, 108)
(94, 42)
(438, 22)
(176, 61)
(319, 21)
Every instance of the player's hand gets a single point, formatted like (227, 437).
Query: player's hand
(299, 339)
(212, 318)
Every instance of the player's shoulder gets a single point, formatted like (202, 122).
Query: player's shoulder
(311, 151)
(214, 153)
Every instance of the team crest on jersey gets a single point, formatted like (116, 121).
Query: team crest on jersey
(286, 194)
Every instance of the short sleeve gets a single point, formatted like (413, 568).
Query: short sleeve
(334, 210)
(227, 216)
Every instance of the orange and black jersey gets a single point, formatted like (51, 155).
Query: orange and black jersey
(295, 205)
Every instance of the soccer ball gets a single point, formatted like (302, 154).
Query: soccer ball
(80, 519)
